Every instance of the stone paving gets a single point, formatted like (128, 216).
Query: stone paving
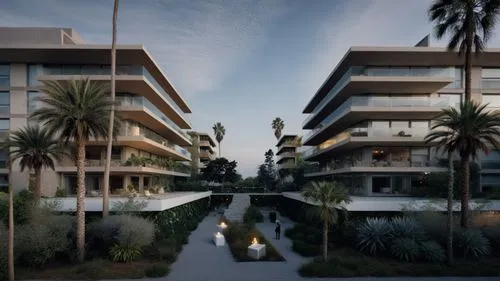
(200, 260)
(236, 209)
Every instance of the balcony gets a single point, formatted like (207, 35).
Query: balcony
(493, 84)
(284, 156)
(122, 167)
(359, 108)
(140, 109)
(377, 166)
(358, 80)
(135, 79)
(286, 165)
(358, 137)
(207, 155)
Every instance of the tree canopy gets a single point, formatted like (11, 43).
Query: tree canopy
(221, 170)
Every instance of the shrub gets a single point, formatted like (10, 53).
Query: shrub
(126, 253)
(157, 270)
(38, 242)
(407, 227)
(126, 231)
(3, 252)
(92, 269)
(432, 251)
(304, 249)
(252, 215)
(373, 235)
(168, 254)
(405, 249)
(23, 207)
(492, 232)
(472, 243)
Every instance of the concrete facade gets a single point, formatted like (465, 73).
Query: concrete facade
(149, 148)
(369, 119)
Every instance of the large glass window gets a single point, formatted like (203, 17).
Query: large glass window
(4, 75)
(4, 124)
(454, 99)
(419, 156)
(491, 100)
(33, 101)
(380, 128)
(490, 78)
(4, 102)
(34, 70)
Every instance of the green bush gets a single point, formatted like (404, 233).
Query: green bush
(38, 242)
(493, 234)
(405, 249)
(92, 269)
(126, 231)
(253, 215)
(157, 270)
(373, 236)
(432, 252)
(407, 227)
(472, 243)
(3, 252)
(23, 207)
(304, 249)
(127, 253)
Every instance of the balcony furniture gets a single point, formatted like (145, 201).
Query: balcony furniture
(219, 239)
(256, 251)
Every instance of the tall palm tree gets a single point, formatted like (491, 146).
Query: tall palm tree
(328, 196)
(10, 247)
(77, 111)
(107, 168)
(443, 145)
(470, 24)
(35, 148)
(278, 125)
(467, 130)
(219, 132)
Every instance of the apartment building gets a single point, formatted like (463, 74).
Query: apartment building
(369, 118)
(148, 149)
(286, 154)
(202, 150)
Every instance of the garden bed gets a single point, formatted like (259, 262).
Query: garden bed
(240, 236)
(348, 262)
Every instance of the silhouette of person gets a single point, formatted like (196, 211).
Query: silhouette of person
(278, 230)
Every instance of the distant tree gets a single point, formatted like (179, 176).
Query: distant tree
(264, 178)
(194, 149)
(249, 182)
(278, 125)
(219, 132)
(221, 170)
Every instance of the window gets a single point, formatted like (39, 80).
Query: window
(4, 124)
(490, 78)
(491, 100)
(4, 75)
(33, 101)
(4, 102)
(454, 99)
(379, 128)
(34, 70)
(116, 153)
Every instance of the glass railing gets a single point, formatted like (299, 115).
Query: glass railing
(490, 165)
(490, 83)
(286, 155)
(135, 130)
(374, 163)
(379, 71)
(35, 70)
(142, 101)
(4, 81)
(440, 102)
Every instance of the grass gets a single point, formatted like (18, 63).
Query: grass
(349, 263)
(239, 237)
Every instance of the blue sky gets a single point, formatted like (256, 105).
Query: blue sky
(239, 62)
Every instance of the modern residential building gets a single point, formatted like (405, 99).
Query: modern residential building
(148, 149)
(286, 154)
(202, 149)
(368, 120)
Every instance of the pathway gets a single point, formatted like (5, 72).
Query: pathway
(237, 207)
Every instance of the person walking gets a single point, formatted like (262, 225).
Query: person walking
(278, 230)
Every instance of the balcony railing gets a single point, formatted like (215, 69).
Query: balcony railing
(441, 102)
(152, 163)
(490, 165)
(286, 155)
(374, 163)
(36, 70)
(383, 71)
(490, 83)
(142, 101)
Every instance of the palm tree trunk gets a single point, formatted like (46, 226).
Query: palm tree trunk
(80, 201)
(38, 186)
(105, 188)
(11, 235)
(325, 240)
(219, 151)
(451, 182)
(464, 220)
(468, 66)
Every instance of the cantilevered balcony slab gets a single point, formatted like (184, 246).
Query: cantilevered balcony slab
(137, 84)
(120, 170)
(144, 116)
(146, 144)
(388, 169)
(351, 143)
(356, 85)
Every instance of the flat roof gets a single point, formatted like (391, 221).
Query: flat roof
(90, 54)
(398, 56)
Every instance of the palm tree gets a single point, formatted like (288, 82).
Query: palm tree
(35, 148)
(470, 24)
(76, 111)
(105, 188)
(466, 131)
(328, 196)
(10, 247)
(219, 132)
(278, 124)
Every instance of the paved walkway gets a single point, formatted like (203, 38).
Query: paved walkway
(200, 260)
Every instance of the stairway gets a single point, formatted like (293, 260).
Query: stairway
(237, 208)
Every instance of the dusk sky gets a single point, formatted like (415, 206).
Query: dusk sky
(241, 63)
